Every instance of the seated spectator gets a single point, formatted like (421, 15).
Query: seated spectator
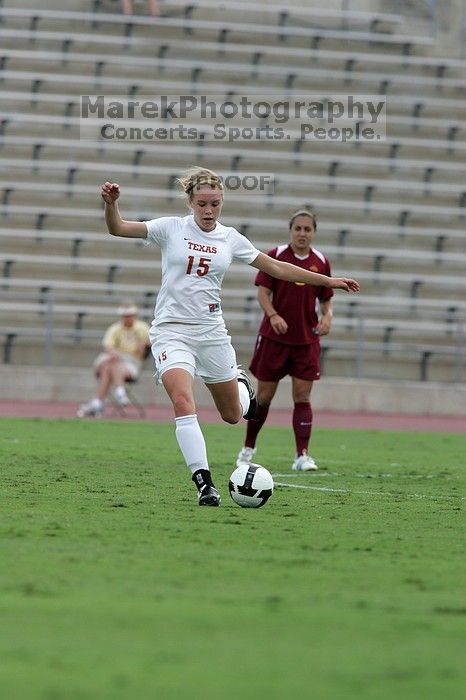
(127, 7)
(125, 345)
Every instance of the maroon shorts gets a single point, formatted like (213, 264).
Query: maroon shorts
(272, 360)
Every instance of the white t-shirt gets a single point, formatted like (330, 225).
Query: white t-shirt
(194, 263)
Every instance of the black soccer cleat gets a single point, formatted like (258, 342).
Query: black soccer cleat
(207, 493)
(209, 496)
(244, 379)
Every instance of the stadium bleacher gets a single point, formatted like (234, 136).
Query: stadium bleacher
(390, 213)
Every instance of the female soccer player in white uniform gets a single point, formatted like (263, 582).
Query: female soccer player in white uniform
(188, 333)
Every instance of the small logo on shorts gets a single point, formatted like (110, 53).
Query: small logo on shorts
(214, 307)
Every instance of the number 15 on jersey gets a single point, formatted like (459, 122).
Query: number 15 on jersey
(202, 267)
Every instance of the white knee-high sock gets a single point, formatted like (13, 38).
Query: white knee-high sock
(243, 397)
(191, 441)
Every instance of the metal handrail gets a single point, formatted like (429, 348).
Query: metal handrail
(357, 346)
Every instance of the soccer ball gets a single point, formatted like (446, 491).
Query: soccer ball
(251, 486)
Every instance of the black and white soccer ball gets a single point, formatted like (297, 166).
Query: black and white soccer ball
(251, 486)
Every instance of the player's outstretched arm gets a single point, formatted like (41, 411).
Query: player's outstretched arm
(116, 225)
(292, 273)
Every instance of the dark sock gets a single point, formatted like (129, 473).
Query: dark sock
(255, 424)
(302, 425)
(202, 478)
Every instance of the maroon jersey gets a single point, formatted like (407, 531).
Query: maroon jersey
(295, 301)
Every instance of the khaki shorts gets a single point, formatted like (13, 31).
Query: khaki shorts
(132, 365)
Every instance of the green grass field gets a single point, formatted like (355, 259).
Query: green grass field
(115, 584)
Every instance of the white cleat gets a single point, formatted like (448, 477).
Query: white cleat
(304, 463)
(245, 456)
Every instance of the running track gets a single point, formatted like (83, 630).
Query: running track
(277, 417)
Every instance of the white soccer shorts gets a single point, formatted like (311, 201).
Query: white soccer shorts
(201, 350)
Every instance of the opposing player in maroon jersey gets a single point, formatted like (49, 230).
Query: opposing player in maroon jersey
(288, 342)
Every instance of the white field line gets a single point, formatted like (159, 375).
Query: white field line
(363, 493)
(322, 474)
(336, 463)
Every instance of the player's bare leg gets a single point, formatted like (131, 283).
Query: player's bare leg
(265, 392)
(178, 384)
(235, 398)
(300, 389)
(226, 399)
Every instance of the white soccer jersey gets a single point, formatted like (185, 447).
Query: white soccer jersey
(194, 263)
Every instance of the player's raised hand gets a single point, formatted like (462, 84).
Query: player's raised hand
(110, 192)
(345, 283)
